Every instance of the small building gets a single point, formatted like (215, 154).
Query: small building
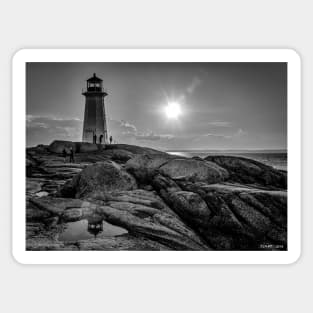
(95, 127)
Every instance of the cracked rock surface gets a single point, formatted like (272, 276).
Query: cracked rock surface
(157, 201)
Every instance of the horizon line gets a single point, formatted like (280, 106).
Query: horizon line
(239, 149)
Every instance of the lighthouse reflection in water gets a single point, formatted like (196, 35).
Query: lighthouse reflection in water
(95, 226)
(91, 228)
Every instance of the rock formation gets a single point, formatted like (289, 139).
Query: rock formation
(163, 202)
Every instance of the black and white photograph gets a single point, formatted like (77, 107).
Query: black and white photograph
(156, 156)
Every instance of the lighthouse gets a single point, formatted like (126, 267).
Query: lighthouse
(95, 127)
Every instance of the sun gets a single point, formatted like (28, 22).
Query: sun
(173, 110)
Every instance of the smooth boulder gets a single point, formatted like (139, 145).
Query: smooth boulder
(190, 207)
(193, 170)
(99, 178)
(57, 146)
(144, 167)
(132, 148)
(118, 155)
(247, 171)
(86, 147)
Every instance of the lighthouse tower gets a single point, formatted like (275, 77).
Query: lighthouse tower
(95, 127)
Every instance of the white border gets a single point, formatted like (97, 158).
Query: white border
(156, 55)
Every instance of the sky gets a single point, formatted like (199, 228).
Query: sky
(221, 105)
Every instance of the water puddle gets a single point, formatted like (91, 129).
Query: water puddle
(87, 229)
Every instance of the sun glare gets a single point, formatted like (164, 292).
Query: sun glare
(173, 110)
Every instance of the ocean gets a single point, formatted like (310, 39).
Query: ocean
(277, 159)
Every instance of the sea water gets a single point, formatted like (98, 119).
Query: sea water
(276, 159)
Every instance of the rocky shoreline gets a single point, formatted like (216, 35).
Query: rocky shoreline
(161, 201)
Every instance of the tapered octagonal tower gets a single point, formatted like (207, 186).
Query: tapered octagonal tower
(95, 127)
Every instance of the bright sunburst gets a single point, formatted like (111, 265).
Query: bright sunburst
(173, 110)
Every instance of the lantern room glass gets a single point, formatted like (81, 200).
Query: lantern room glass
(93, 86)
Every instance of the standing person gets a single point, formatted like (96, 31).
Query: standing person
(100, 139)
(71, 155)
(111, 139)
(64, 154)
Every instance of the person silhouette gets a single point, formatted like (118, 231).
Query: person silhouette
(64, 154)
(111, 139)
(100, 139)
(71, 155)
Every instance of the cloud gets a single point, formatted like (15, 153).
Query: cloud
(152, 136)
(196, 81)
(190, 89)
(129, 127)
(123, 125)
(238, 133)
(217, 135)
(220, 124)
(44, 129)
(121, 130)
(50, 121)
(125, 131)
